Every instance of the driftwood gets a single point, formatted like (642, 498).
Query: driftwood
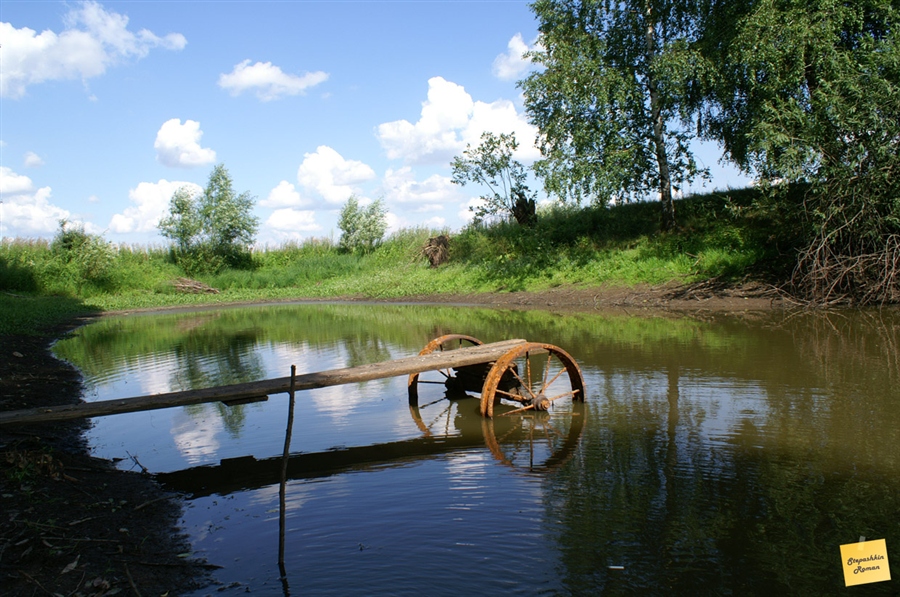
(437, 250)
(258, 390)
(186, 285)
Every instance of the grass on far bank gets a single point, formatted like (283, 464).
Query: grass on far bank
(569, 246)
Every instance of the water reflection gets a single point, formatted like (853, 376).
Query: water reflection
(716, 455)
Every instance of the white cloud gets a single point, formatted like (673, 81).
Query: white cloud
(268, 80)
(284, 195)
(332, 176)
(27, 212)
(467, 214)
(33, 160)
(93, 40)
(290, 223)
(450, 119)
(400, 186)
(150, 202)
(513, 64)
(10, 182)
(178, 145)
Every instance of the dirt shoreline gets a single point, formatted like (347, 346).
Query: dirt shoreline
(73, 524)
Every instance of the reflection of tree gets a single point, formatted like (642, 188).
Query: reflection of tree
(760, 511)
(365, 349)
(232, 416)
(205, 359)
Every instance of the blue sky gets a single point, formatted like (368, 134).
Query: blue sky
(107, 108)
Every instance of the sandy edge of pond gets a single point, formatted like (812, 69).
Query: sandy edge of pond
(73, 523)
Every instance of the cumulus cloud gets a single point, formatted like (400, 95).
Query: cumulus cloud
(284, 195)
(93, 40)
(178, 145)
(268, 81)
(10, 182)
(450, 119)
(330, 175)
(467, 214)
(288, 224)
(150, 202)
(33, 160)
(27, 212)
(400, 186)
(513, 64)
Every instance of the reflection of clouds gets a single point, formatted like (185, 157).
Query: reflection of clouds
(297, 494)
(467, 474)
(195, 437)
(713, 408)
(336, 402)
(134, 376)
(153, 373)
(281, 356)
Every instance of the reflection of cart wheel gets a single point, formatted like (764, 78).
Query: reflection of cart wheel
(534, 376)
(444, 377)
(535, 441)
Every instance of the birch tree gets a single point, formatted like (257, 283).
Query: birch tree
(610, 99)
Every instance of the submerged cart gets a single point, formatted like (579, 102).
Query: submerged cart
(532, 375)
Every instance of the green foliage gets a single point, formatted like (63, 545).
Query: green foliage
(723, 236)
(212, 230)
(808, 94)
(31, 315)
(612, 99)
(79, 260)
(362, 228)
(491, 164)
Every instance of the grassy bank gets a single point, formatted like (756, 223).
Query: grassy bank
(44, 281)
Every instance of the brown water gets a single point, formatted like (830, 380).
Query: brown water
(726, 455)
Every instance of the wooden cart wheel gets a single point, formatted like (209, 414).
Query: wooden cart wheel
(534, 376)
(441, 376)
(532, 405)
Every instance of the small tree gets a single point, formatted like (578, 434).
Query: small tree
(491, 164)
(362, 228)
(80, 259)
(212, 229)
(182, 225)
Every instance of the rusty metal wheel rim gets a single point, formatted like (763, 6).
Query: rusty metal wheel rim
(534, 388)
(529, 440)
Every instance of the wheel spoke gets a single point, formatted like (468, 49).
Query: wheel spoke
(521, 382)
(555, 377)
(528, 370)
(432, 403)
(563, 395)
(511, 396)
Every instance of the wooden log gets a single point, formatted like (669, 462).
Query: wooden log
(459, 357)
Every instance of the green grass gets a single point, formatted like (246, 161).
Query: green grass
(30, 315)
(720, 237)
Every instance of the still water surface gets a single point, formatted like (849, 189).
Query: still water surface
(725, 455)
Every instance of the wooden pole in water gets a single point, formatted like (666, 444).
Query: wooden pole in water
(284, 468)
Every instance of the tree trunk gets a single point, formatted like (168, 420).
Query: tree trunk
(524, 209)
(667, 221)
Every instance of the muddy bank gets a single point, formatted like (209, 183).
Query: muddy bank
(71, 524)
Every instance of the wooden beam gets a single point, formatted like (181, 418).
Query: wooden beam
(459, 357)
